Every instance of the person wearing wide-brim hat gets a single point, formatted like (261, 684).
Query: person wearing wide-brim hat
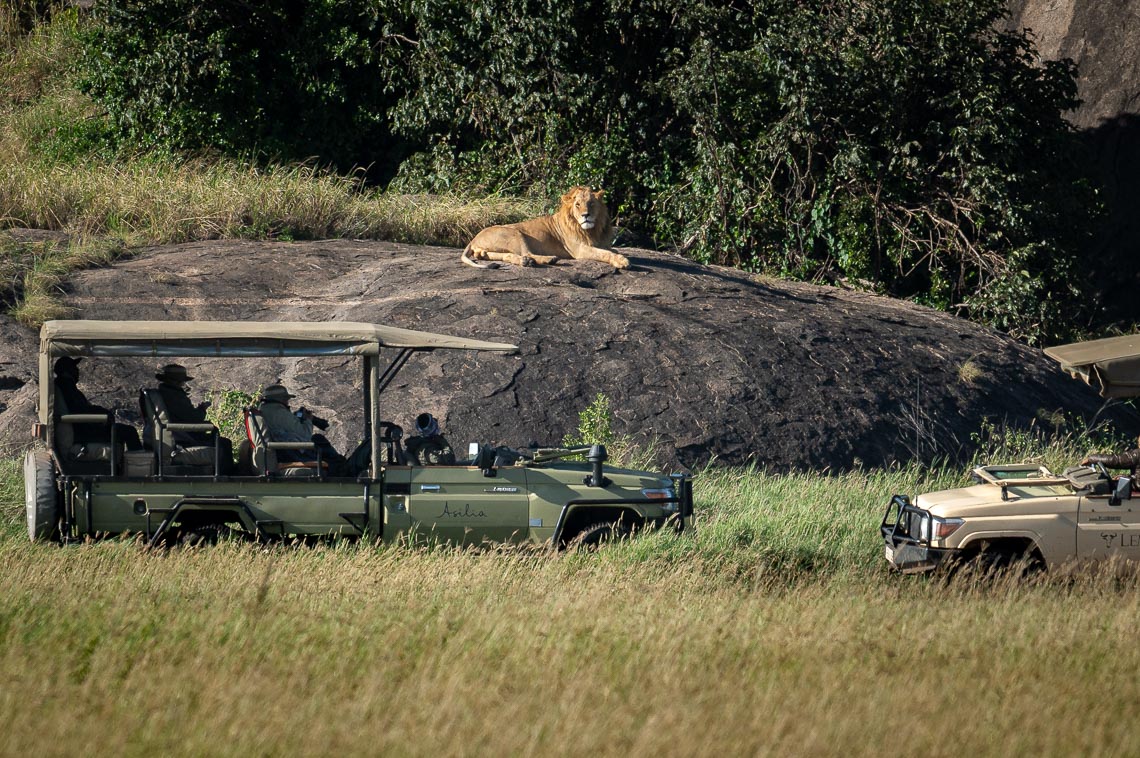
(173, 373)
(282, 424)
(172, 379)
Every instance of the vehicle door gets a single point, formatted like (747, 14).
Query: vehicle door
(459, 504)
(1105, 530)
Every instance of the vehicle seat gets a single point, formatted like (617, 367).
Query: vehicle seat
(173, 457)
(1088, 478)
(82, 457)
(392, 436)
(263, 452)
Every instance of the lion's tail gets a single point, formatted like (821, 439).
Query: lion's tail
(466, 258)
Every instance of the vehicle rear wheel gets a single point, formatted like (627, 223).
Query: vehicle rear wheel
(593, 537)
(204, 535)
(41, 497)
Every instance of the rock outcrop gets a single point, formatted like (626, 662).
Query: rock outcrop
(709, 361)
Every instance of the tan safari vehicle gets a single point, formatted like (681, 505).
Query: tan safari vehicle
(1025, 512)
(168, 494)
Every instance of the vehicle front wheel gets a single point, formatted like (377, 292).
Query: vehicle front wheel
(593, 537)
(998, 561)
(41, 497)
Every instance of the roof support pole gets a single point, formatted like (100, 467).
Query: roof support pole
(372, 411)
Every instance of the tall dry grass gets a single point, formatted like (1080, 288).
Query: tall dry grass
(389, 651)
(182, 200)
(108, 210)
(774, 629)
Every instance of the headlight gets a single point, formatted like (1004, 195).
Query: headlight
(923, 528)
(662, 494)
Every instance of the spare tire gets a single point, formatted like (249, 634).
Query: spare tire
(41, 498)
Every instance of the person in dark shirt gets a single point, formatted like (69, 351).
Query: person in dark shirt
(67, 384)
(1129, 460)
(428, 447)
(173, 379)
(283, 424)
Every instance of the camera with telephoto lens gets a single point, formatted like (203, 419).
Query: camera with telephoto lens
(318, 422)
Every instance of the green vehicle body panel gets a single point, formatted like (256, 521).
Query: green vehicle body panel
(453, 504)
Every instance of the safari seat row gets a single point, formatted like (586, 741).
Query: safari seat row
(165, 455)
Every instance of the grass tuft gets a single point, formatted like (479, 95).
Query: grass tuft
(970, 373)
(38, 272)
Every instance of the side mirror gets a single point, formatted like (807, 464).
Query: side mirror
(473, 451)
(1122, 490)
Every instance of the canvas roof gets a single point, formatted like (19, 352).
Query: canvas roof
(242, 338)
(1111, 365)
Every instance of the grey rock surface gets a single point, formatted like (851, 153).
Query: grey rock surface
(710, 361)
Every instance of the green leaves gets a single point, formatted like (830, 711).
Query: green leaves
(916, 148)
(296, 80)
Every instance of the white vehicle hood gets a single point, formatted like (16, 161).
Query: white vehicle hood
(986, 499)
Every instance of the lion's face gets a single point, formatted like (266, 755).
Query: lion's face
(585, 207)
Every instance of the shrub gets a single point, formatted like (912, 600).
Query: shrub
(226, 410)
(911, 147)
(595, 424)
(293, 80)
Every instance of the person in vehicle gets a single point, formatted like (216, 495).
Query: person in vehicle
(1129, 460)
(427, 446)
(283, 424)
(67, 384)
(173, 379)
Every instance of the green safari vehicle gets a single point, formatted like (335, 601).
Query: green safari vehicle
(169, 494)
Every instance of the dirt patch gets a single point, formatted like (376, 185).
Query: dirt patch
(710, 361)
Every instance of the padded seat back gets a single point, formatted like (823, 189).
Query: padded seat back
(66, 447)
(157, 437)
(264, 458)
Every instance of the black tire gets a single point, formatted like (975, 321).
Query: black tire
(593, 537)
(41, 496)
(204, 536)
(996, 562)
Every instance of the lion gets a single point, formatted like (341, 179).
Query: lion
(579, 229)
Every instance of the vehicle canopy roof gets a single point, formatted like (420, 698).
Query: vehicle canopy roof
(241, 339)
(1110, 365)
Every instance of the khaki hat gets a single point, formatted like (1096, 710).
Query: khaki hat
(173, 373)
(276, 392)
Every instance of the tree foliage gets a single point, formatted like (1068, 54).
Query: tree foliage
(914, 147)
(295, 79)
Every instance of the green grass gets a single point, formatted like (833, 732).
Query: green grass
(774, 629)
